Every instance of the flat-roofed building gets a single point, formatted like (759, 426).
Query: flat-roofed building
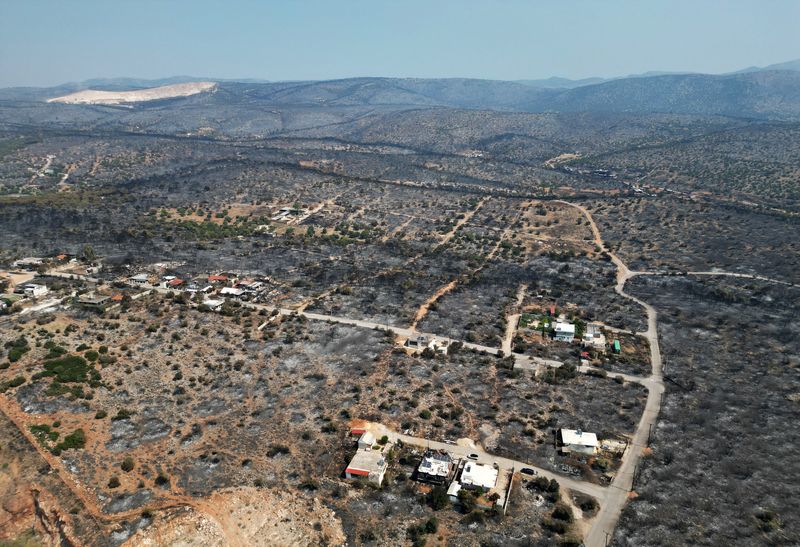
(435, 468)
(368, 464)
(575, 440)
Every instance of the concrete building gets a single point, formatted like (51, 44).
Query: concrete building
(575, 440)
(231, 291)
(478, 475)
(213, 304)
(564, 331)
(93, 301)
(139, 279)
(594, 337)
(435, 468)
(367, 464)
(33, 290)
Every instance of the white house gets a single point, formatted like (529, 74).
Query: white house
(478, 475)
(139, 279)
(231, 291)
(212, 304)
(34, 290)
(564, 331)
(575, 440)
(594, 337)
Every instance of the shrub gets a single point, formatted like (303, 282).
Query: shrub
(91, 355)
(562, 512)
(113, 482)
(127, 464)
(100, 414)
(71, 368)
(276, 449)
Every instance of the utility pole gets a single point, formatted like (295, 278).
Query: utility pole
(650, 435)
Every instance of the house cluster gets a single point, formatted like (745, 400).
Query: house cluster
(220, 285)
(488, 483)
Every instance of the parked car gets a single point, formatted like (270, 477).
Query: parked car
(473, 456)
(528, 471)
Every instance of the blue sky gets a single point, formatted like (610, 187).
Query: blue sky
(46, 42)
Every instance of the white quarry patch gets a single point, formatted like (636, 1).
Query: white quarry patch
(91, 96)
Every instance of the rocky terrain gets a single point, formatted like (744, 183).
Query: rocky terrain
(92, 96)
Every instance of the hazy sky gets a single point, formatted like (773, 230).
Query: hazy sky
(46, 42)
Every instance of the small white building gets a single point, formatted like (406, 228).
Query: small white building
(231, 291)
(564, 331)
(478, 475)
(594, 337)
(139, 279)
(29, 263)
(34, 290)
(366, 440)
(575, 440)
(213, 304)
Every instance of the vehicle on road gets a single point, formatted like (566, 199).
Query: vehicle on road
(472, 456)
(527, 471)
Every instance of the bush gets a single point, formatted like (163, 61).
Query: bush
(68, 369)
(91, 355)
(113, 482)
(562, 512)
(127, 464)
(100, 414)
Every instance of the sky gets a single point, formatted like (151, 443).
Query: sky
(48, 42)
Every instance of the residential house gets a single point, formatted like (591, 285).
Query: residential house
(213, 304)
(478, 475)
(139, 279)
(231, 291)
(564, 331)
(435, 468)
(369, 464)
(594, 337)
(93, 301)
(33, 290)
(575, 440)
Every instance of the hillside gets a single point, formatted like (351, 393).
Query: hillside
(755, 94)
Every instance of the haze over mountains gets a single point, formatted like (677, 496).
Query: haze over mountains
(771, 92)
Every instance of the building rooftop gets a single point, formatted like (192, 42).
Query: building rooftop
(478, 474)
(567, 328)
(367, 461)
(578, 437)
(139, 277)
(435, 464)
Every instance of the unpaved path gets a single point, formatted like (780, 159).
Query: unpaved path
(618, 493)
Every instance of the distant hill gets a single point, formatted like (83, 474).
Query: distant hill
(768, 94)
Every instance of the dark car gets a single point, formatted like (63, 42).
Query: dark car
(473, 456)
(528, 471)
